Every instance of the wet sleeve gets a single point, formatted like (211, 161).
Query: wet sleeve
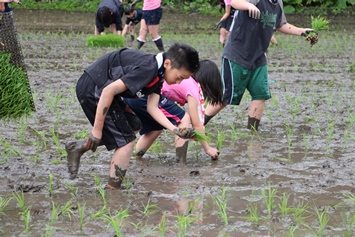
(283, 17)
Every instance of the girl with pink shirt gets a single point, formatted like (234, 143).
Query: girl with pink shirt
(205, 85)
(152, 13)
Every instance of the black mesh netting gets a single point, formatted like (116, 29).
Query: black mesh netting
(13, 74)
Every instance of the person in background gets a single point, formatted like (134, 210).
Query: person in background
(226, 21)
(126, 73)
(133, 17)
(4, 5)
(205, 84)
(109, 14)
(152, 14)
(244, 64)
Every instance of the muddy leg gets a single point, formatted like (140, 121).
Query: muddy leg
(115, 182)
(74, 151)
(181, 153)
(119, 165)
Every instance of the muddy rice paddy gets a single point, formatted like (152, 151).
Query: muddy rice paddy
(295, 177)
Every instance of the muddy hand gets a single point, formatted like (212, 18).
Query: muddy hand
(185, 133)
(306, 33)
(93, 142)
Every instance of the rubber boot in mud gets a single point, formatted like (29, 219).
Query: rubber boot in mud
(253, 123)
(74, 152)
(114, 183)
(181, 153)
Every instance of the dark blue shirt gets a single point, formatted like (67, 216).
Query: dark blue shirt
(136, 18)
(117, 9)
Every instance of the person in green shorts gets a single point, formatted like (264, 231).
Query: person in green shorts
(244, 64)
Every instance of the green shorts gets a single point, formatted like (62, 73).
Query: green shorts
(236, 79)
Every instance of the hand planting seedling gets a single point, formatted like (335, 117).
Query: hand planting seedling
(109, 40)
(190, 133)
(318, 24)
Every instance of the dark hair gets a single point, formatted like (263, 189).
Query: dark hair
(104, 15)
(128, 10)
(209, 78)
(183, 56)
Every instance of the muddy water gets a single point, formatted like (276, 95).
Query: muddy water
(304, 149)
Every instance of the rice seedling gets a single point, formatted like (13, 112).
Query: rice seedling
(66, 210)
(199, 136)
(50, 185)
(4, 202)
(184, 221)
(20, 198)
(221, 202)
(73, 191)
(323, 219)
(348, 224)
(253, 211)
(49, 231)
(269, 198)
(7, 150)
(55, 213)
(107, 40)
(27, 218)
(55, 138)
(317, 24)
(82, 217)
(116, 221)
(220, 139)
(291, 230)
(299, 213)
(101, 190)
(162, 225)
(149, 209)
(283, 205)
(42, 136)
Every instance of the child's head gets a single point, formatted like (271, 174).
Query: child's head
(129, 12)
(105, 16)
(181, 61)
(209, 78)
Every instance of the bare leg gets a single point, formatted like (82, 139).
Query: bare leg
(119, 165)
(255, 113)
(181, 145)
(143, 31)
(144, 142)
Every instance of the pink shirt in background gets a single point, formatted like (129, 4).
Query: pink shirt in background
(179, 93)
(151, 4)
(227, 2)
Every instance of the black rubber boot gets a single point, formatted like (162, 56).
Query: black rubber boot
(253, 123)
(114, 183)
(159, 44)
(207, 118)
(139, 44)
(181, 153)
(74, 151)
(132, 38)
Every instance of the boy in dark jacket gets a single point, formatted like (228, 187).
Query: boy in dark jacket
(132, 74)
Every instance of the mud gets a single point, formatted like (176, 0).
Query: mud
(304, 147)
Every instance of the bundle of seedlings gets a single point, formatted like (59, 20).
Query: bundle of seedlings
(318, 24)
(197, 136)
(16, 98)
(109, 40)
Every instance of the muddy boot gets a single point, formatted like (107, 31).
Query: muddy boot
(181, 153)
(138, 154)
(74, 151)
(253, 123)
(114, 183)
(207, 119)
(159, 43)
